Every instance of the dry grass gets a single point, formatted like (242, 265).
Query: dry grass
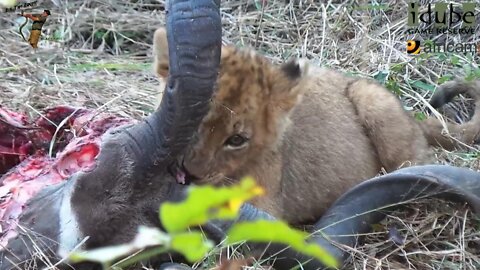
(427, 234)
(103, 61)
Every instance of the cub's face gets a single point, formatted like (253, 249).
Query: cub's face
(246, 118)
(226, 139)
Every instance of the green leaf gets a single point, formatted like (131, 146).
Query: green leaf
(192, 245)
(475, 73)
(442, 57)
(420, 116)
(428, 42)
(58, 35)
(422, 85)
(206, 202)
(259, 4)
(99, 34)
(455, 60)
(393, 86)
(381, 76)
(445, 78)
(468, 69)
(103, 255)
(279, 232)
(397, 67)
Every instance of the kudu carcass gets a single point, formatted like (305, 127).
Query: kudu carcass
(130, 175)
(129, 178)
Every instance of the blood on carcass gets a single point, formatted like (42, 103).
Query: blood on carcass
(25, 166)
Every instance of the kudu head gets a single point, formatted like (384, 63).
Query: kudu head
(105, 204)
(130, 179)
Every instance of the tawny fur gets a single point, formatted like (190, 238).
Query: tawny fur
(464, 134)
(313, 132)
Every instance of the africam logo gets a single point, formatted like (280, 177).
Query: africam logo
(413, 47)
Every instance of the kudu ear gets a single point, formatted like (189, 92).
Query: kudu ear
(160, 51)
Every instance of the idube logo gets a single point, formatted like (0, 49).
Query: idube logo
(443, 16)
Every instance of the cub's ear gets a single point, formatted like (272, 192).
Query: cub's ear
(160, 51)
(295, 69)
(287, 84)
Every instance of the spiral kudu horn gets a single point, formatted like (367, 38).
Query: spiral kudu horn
(366, 204)
(194, 44)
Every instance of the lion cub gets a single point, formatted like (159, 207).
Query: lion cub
(306, 134)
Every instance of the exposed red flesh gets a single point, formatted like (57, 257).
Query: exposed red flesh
(24, 160)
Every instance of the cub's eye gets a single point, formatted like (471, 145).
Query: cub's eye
(236, 141)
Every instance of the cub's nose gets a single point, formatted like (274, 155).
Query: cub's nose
(192, 173)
